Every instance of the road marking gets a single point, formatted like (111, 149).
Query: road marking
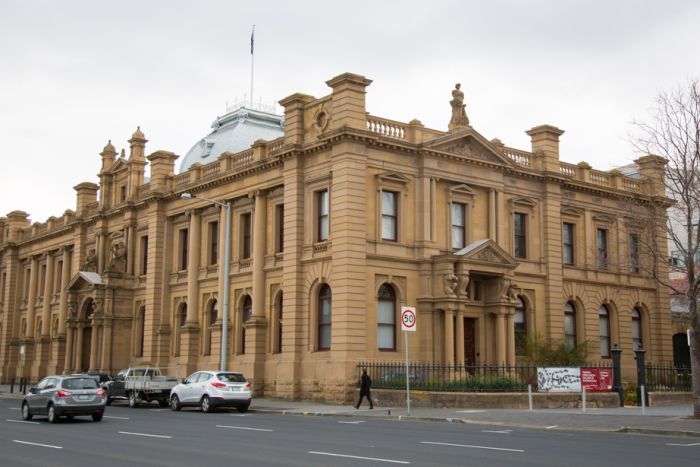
(471, 411)
(118, 418)
(551, 427)
(472, 446)
(143, 434)
(13, 408)
(502, 432)
(157, 410)
(238, 415)
(674, 444)
(243, 428)
(37, 444)
(393, 461)
(21, 421)
(353, 423)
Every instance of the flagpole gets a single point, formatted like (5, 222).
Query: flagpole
(252, 64)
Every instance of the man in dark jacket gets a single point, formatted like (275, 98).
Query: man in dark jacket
(365, 384)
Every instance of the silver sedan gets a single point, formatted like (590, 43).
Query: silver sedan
(212, 389)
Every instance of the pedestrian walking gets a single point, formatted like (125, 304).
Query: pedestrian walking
(365, 384)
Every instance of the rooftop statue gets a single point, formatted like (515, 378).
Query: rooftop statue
(459, 115)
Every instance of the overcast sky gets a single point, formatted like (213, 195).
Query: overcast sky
(74, 74)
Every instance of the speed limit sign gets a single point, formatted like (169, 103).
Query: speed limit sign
(408, 318)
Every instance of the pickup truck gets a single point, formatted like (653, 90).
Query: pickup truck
(141, 385)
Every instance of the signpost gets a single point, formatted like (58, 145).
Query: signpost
(408, 324)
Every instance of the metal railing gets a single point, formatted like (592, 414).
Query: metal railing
(668, 378)
(426, 376)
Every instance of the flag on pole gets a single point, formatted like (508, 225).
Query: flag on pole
(252, 40)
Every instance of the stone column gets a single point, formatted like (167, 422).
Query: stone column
(106, 346)
(500, 339)
(193, 269)
(130, 234)
(259, 244)
(31, 298)
(48, 291)
(100, 253)
(63, 301)
(94, 336)
(68, 364)
(449, 337)
(460, 338)
(510, 336)
(492, 214)
(77, 358)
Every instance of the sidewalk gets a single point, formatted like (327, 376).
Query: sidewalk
(671, 420)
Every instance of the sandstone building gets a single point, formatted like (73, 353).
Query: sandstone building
(336, 224)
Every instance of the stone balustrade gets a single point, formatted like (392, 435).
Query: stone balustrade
(521, 158)
(384, 127)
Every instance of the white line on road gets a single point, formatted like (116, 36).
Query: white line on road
(502, 432)
(21, 421)
(13, 408)
(551, 427)
(470, 411)
(238, 415)
(353, 423)
(472, 446)
(37, 444)
(674, 444)
(118, 418)
(243, 428)
(143, 434)
(393, 461)
(157, 410)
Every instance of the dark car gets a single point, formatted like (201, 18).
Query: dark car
(115, 387)
(57, 396)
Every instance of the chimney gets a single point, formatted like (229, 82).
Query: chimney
(294, 117)
(652, 168)
(86, 195)
(162, 168)
(348, 101)
(545, 143)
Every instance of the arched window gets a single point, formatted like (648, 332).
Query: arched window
(141, 331)
(386, 318)
(247, 313)
(520, 324)
(637, 342)
(277, 348)
(212, 316)
(604, 320)
(569, 325)
(324, 318)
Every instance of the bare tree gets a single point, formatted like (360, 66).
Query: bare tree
(673, 132)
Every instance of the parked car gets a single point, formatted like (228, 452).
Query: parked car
(137, 385)
(115, 388)
(56, 396)
(212, 389)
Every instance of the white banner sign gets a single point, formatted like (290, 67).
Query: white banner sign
(559, 380)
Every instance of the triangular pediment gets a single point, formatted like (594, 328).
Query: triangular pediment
(472, 144)
(462, 189)
(393, 177)
(486, 251)
(119, 166)
(85, 279)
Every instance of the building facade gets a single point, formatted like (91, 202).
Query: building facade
(335, 225)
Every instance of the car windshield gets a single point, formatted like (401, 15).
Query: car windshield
(79, 383)
(231, 377)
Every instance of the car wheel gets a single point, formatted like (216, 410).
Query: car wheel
(96, 417)
(132, 400)
(175, 403)
(51, 412)
(26, 414)
(163, 403)
(206, 404)
(242, 408)
(109, 401)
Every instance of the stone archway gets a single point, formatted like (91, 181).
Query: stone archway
(85, 336)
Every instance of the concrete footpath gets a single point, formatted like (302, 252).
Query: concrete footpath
(672, 420)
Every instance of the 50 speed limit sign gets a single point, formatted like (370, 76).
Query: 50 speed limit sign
(408, 318)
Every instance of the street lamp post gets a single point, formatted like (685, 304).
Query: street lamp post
(227, 255)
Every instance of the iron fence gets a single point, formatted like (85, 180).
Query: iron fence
(427, 376)
(668, 378)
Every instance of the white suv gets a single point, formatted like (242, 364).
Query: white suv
(212, 389)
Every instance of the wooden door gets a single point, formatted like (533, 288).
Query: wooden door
(470, 341)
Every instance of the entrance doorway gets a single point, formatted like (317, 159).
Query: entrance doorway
(87, 342)
(470, 341)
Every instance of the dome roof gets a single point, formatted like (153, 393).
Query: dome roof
(234, 132)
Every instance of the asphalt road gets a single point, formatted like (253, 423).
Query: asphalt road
(154, 436)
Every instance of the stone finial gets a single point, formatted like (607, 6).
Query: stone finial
(459, 114)
(138, 133)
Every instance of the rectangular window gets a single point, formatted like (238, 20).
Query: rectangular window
(246, 235)
(458, 225)
(184, 248)
(322, 210)
(122, 193)
(27, 276)
(476, 290)
(634, 253)
(279, 221)
(42, 281)
(213, 243)
(144, 254)
(602, 248)
(59, 276)
(520, 240)
(568, 243)
(389, 215)
(3, 279)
